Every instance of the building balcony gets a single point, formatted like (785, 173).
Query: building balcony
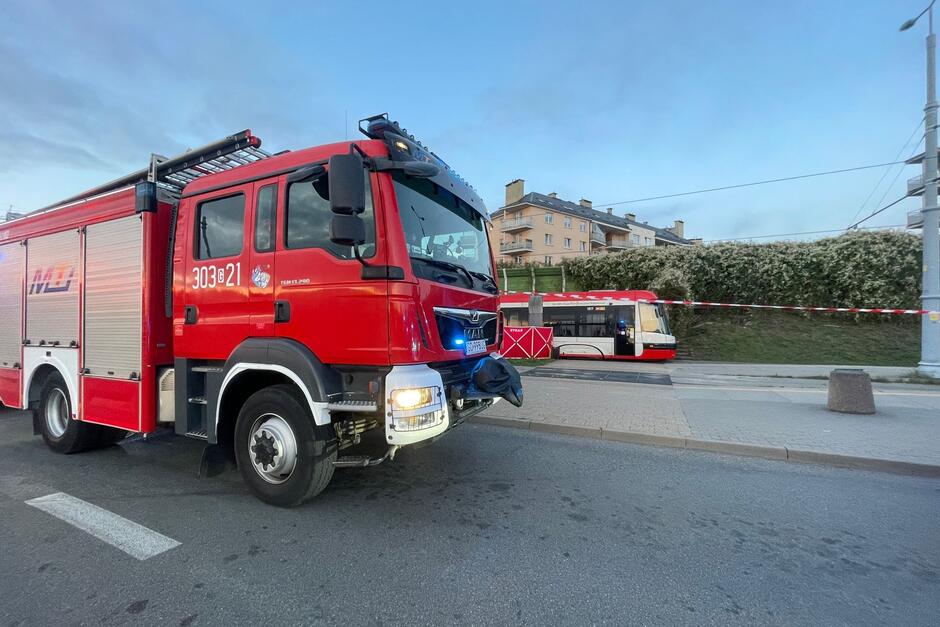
(598, 238)
(618, 243)
(516, 248)
(515, 225)
(915, 185)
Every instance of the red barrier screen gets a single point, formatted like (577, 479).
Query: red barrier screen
(527, 342)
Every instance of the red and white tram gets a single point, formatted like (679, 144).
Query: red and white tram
(602, 324)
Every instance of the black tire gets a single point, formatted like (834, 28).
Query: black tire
(75, 436)
(316, 447)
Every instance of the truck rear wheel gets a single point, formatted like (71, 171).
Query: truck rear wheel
(284, 457)
(60, 431)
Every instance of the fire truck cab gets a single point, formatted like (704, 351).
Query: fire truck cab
(298, 312)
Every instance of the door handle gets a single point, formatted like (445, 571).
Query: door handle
(190, 314)
(281, 311)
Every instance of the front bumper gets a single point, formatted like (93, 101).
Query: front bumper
(450, 382)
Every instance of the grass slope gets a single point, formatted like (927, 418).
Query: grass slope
(787, 338)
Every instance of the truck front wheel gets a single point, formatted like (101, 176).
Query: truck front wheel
(284, 457)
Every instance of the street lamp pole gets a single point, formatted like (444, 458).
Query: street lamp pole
(930, 297)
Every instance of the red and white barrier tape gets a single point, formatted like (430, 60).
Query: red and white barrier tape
(875, 310)
(702, 303)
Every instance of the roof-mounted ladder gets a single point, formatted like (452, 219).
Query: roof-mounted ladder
(177, 172)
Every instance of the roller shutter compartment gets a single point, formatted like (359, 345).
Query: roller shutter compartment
(113, 292)
(11, 304)
(52, 285)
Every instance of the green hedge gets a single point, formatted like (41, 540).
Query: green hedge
(857, 269)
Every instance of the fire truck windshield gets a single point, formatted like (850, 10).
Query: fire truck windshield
(442, 230)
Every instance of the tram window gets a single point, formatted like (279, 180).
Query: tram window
(516, 316)
(654, 318)
(562, 320)
(595, 324)
(625, 314)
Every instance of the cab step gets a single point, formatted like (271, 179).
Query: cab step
(212, 369)
(360, 406)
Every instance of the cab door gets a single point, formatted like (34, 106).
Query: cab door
(323, 298)
(265, 218)
(216, 298)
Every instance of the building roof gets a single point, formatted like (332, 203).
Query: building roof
(565, 206)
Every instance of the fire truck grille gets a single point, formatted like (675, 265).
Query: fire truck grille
(455, 328)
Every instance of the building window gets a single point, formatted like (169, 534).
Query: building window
(548, 260)
(635, 238)
(567, 223)
(220, 227)
(549, 218)
(548, 239)
(649, 241)
(567, 242)
(582, 226)
(583, 246)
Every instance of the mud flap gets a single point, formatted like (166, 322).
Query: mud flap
(216, 459)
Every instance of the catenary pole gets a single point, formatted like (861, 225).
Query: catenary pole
(930, 296)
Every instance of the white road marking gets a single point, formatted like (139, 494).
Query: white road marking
(135, 540)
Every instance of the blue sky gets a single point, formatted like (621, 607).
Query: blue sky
(604, 100)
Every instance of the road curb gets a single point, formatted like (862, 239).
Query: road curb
(778, 453)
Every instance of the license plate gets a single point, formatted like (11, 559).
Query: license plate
(474, 346)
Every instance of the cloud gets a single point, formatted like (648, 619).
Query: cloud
(18, 150)
(109, 78)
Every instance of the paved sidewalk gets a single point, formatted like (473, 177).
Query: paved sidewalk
(743, 406)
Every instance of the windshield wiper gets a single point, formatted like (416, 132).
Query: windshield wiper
(453, 267)
(494, 288)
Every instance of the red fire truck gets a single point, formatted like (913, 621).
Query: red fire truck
(298, 312)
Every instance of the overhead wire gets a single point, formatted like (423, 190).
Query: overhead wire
(751, 184)
(885, 173)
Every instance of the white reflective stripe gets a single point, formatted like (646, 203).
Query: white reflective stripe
(321, 415)
(64, 360)
(135, 540)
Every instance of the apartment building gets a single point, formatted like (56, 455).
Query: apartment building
(545, 229)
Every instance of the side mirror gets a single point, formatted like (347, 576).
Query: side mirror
(347, 230)
(347, 184)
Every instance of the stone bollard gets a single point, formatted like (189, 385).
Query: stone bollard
(850, 392)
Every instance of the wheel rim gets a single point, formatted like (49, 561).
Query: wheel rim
(272, 448)
(57, 413)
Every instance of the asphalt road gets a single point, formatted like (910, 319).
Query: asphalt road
(487, 526)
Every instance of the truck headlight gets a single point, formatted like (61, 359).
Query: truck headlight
(412, 398)
(414, 409)
(418, 422)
